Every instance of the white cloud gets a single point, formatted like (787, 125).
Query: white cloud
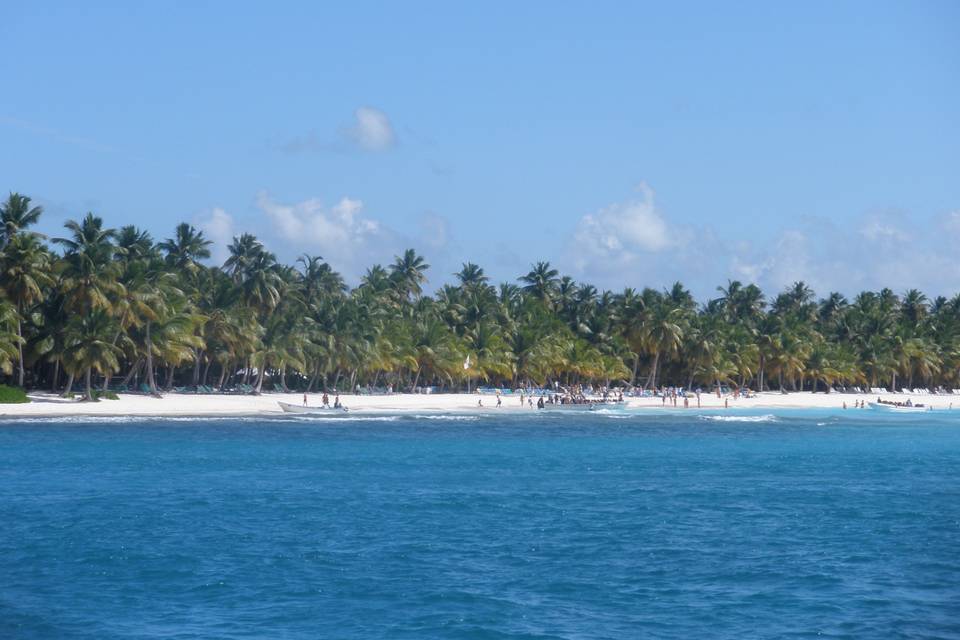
(623, 229)
(371, 130)
(342, 234)
(633, 243)
(218, 227)
(434, 230)
(876, 251)
(951, 222)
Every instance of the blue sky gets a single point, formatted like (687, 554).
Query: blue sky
(628, 143)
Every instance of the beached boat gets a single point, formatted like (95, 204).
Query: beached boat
(896, 408)
(321, 411)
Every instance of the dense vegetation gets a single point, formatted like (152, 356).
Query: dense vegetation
(12, 395)
(114, 307)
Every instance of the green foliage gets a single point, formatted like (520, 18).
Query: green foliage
(114, 303)
(12, 395)
(100, 394)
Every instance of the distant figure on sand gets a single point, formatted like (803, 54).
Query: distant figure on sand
(325, 400)
(304, 399)
(336, 402)
(498, 400)
(540, 403)
(480, 402)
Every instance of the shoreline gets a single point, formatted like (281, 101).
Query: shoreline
(47, 405)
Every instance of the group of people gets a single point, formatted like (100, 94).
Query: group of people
(325, 401)
(574, 395)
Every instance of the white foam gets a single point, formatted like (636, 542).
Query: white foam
(763, 418)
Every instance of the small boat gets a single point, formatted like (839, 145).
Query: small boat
(297, 408)
(897, 408)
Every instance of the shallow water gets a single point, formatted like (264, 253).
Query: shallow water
(607, 525)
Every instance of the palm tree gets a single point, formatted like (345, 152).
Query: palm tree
(16, 215)
(25, 270)
(471, 275)
(662, 335)
(89, 347)
(541, 281)
(186, 248)
(243, 250)
(9, 341)
(408, 273)
(89, 270)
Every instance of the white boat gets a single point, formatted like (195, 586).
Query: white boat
(298, 408)
(896, 408)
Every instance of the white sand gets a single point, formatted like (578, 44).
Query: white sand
(174, 404)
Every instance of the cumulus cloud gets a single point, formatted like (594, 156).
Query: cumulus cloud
(633, 243)
(888, 249)
(218, 227)
(371, 130)
(628, 241)
(434, 230)
(342, 234)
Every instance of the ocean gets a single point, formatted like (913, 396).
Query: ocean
(775, 524)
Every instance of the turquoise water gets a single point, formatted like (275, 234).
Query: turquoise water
(772, 525)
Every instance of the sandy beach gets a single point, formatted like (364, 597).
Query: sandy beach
(174, 404)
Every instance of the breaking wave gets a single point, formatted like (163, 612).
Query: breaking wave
(763, 418)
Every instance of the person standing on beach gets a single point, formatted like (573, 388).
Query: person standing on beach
(498, 400)
(304, 399)
(325, 400)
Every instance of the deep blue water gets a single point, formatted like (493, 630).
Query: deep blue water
(842, 524)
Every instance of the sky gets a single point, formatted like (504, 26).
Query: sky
(629, 144)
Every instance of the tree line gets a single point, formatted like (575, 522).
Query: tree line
(99, 307)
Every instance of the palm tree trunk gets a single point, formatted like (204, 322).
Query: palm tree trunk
(283, 375)
(20, 373)
(416, 379)
(89, 386)
(69, 388)
(171, 370)
(652, 378)
(206, 370)
(262, 373)
(133, 371)
(56, 375)
(151, 382)
(197, 357)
